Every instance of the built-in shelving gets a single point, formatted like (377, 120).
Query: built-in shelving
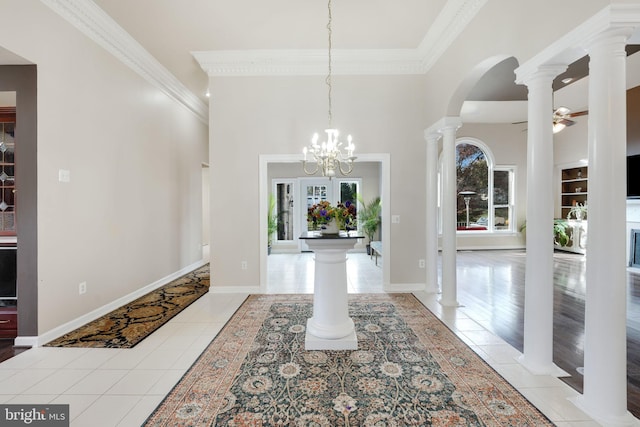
(573, 188)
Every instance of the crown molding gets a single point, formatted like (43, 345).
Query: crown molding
(92, 21)
(291, 62)
(451, 21)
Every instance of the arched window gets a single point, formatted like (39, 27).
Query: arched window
(485, 201)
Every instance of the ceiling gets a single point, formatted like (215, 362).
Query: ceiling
(170, 30)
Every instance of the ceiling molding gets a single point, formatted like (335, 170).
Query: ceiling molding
(92, 21)
(281, 62)
(451, 21)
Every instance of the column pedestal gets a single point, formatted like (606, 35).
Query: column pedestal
(330, 327)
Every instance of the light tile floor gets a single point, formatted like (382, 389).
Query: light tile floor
(121, 387)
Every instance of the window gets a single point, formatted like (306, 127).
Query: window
(485, 201)
(348, 192)
(503, 200)
(284, 210)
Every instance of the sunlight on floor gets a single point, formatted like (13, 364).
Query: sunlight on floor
(294, 273)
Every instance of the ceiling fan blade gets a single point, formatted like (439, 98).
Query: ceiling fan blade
(578, 113)
(519, 123)
(566, 122)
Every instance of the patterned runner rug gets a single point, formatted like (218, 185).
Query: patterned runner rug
(409, 369)
(130, 324)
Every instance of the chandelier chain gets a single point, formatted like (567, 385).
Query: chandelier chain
(329, 156)
(328, 79)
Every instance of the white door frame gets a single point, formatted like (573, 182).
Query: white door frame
(385, 193)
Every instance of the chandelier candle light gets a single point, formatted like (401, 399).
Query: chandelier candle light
(330, 155)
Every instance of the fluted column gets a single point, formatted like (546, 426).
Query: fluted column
(537, 354)
(605, 358)
(432, 213)
(448, 128)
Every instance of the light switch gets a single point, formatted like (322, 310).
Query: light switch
(64, 175)
(395, 219)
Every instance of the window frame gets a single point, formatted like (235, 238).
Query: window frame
(491, 206)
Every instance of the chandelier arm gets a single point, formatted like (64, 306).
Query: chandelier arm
(349, 170)
(304, 167)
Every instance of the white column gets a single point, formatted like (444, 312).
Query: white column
(537, 355)
(605, 358)
(330, 327)
(432, 213)
(448, 129)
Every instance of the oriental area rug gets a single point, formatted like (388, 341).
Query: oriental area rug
(409, 370)
(128, 325)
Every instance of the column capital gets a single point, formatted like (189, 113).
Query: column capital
(447, 122)
(431, 136)
(613, 39)
(543, 74)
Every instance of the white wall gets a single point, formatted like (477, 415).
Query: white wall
(131, 213)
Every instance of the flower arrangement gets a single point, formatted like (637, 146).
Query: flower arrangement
(323, 213)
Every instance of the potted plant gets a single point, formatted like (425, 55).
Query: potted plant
(369, 215)
(272, 222)
(560, 235)
(579, 211)
(324, 216)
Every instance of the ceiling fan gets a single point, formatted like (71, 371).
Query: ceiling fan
(562, 118)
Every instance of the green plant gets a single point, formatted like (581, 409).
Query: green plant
(369, 215)
(579, 211)
(272, 219)
(560, 235)
(560, 228)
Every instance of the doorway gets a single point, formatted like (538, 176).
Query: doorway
(373, 169)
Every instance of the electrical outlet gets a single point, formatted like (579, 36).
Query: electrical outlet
(64, 175)
(82, 288)
(243, 265)
(421, 263)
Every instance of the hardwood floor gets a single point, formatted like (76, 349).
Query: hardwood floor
(7, 350)
(491, 287)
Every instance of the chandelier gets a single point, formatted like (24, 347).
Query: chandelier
(329, 155)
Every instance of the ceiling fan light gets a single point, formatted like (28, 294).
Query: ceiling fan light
(557, 127)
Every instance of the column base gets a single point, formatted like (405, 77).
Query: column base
(446, 303)
(348, 342)
(550, 369)
(626, 420)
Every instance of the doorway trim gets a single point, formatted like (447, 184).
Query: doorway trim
(385, 190)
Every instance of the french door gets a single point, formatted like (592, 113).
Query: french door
(312, 191)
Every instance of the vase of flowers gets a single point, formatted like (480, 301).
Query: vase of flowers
(331, 219)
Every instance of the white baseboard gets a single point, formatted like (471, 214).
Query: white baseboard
(405, 287)
(107, 308)
(235, 290)
(25, 342)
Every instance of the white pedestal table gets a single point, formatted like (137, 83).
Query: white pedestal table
(330, 327)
